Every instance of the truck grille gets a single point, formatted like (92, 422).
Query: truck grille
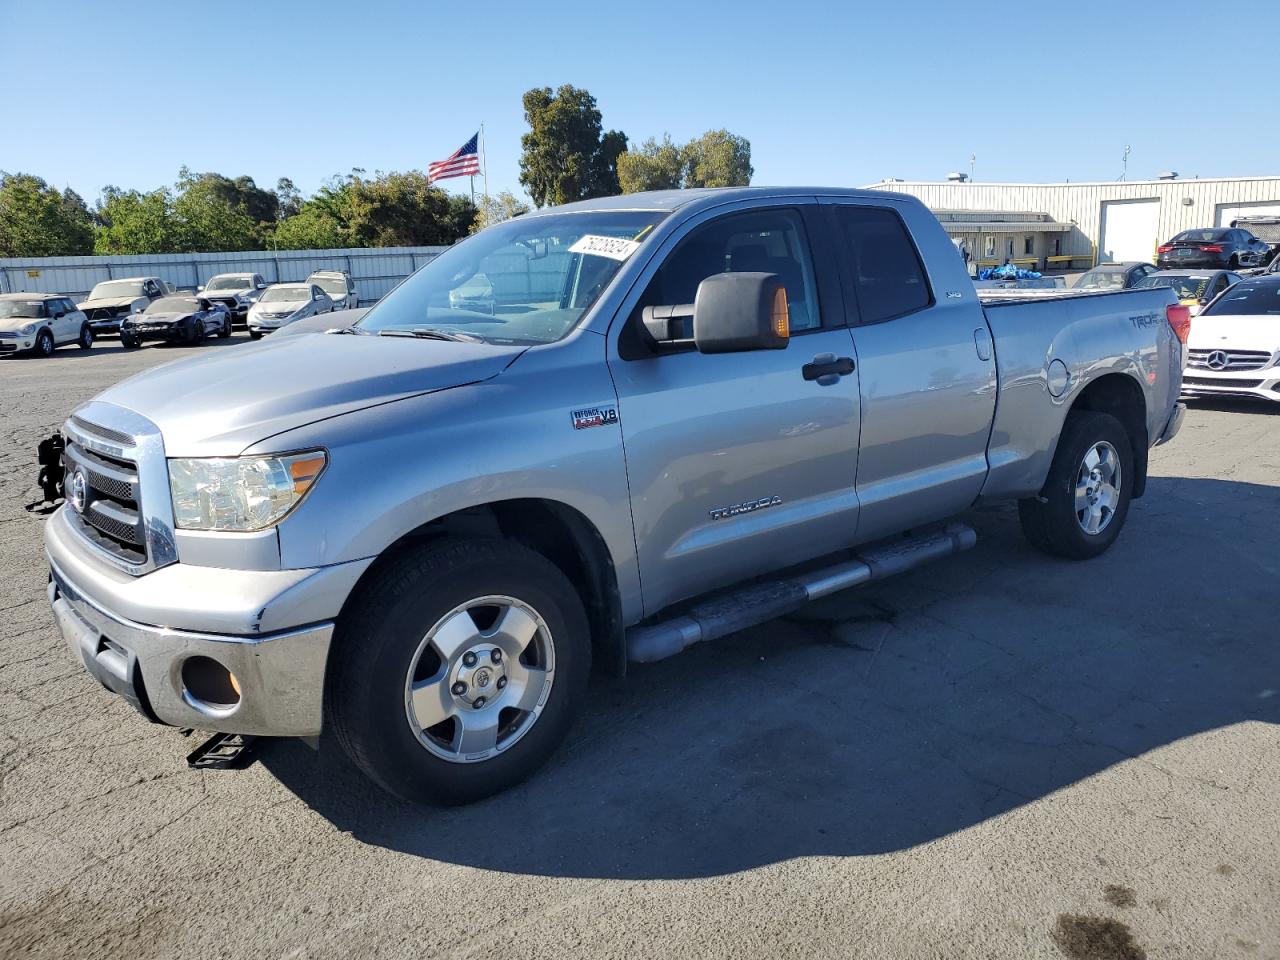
(106, 313)
(1234, 359)
(109, 514)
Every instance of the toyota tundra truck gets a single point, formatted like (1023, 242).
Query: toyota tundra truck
(679, 414)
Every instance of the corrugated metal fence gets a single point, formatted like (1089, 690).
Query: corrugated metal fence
(375, 270)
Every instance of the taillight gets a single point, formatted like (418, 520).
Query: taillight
(1211, 248)
(1164, 248)
(1179, 316)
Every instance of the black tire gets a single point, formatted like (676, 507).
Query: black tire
(1050, 522)
(378, 637)
(129, 342)
(44, 344)
(255, 334)
(1233, 263)
(85, 340)
(224, 331)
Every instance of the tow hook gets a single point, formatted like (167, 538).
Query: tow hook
(223, 751)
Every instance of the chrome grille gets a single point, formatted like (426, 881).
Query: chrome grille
(109, 515)
(1229, 359)
(1232, 383)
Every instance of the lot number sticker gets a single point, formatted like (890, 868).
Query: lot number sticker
(615, 248)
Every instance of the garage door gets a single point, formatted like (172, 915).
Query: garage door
(1227, 213)
(1129, 230)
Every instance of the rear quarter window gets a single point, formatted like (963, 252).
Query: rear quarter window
(888, 275)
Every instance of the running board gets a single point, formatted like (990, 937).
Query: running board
(759, 602)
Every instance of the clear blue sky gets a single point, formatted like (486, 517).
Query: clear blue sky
(834, 93)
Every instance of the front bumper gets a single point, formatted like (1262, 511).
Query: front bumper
(106, 326)
(166, 333)
(1263, 384)
(15, 344)
(270, 628)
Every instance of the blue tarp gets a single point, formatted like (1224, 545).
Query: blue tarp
(1008, 272)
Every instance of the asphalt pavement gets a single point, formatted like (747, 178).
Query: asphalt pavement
(999, 755)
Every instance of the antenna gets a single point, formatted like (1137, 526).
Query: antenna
(973, 158)
(1125, 161)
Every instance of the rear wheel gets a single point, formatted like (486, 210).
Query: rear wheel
(85, 339)
(1085, 501)
(1233, 263)
(457, 671)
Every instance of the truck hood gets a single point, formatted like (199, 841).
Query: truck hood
(108, 302)
(1221, 332)
(219, 404)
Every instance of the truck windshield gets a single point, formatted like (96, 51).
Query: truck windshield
(1101, 280)
(526, 281)
(116, 288)
(229, 283)
(1248, 299)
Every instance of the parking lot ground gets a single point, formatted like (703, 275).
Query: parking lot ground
(999, 755)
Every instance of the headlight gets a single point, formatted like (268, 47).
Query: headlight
(244, 493)
(29, 329)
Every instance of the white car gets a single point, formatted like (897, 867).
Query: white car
(39, 322)
(283, 303)
(1234, 346)
(338, 285)
(236, 291)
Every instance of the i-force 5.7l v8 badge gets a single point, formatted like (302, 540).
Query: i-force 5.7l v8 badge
(594, 417)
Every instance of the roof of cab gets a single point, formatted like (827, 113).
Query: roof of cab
(32, 296)
(667, 201)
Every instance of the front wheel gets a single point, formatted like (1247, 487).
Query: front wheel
(224, 331)
(129, 341)
(85, 340)
(44, 344)
(255, 334)
(1085, 501)
(457, 671)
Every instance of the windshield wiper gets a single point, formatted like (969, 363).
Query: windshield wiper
(432, 333)
(353, 330)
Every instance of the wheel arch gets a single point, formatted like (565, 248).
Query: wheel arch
(557, 531)
(1121, 395)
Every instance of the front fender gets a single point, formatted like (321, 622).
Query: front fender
(399, 465)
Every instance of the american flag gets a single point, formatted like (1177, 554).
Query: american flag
(463, 162)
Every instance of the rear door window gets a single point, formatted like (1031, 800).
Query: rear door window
(888, 275)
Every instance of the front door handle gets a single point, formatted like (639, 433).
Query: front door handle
(827, 368)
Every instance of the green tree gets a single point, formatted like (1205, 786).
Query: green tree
(718, 158)
(288, 199)
(651, 166)
(566, 155)
(498, 208)
(131, 222)
(38, 221)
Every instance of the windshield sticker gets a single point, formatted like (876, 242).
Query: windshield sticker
(615, 248)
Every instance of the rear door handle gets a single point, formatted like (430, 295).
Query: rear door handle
(827, 368)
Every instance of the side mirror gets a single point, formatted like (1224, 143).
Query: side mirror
(200, 289)
(262, 286)
(732, 313)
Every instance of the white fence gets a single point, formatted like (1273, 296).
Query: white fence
(375, 270)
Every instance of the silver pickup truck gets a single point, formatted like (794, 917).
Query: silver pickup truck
(674, 415)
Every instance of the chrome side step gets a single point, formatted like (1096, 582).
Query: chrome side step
(751, 605)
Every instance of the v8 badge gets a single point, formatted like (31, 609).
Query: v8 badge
(594, 417)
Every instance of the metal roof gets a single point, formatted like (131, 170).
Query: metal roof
(1004, 226)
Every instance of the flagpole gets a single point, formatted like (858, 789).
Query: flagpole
(484, 166)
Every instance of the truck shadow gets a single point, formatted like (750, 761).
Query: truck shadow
(885, 717)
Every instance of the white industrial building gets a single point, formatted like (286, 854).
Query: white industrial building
(1056, 225)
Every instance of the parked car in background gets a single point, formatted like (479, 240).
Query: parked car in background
(236, 291)
(1266, 229)
(338, 285)
(1234, 347)
(1195, 288)
(417, 537)
(40, 322)
(112, 300)
(1270, 270)
(177, 319)
(283, 303)
(1225, 247)
(1113, 276)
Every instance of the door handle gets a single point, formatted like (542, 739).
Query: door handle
(982, 343)
(827, 368)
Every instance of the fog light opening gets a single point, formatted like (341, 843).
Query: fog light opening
(210, 683)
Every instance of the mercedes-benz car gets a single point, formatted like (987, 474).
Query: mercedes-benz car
(283, 303)
(1234, 346)
(176, 320)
